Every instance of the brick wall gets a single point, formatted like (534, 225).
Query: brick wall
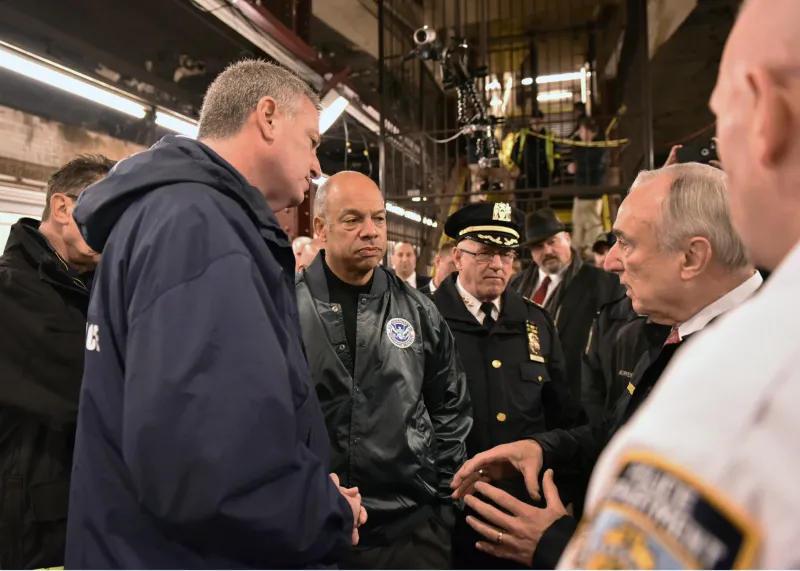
(31, 147)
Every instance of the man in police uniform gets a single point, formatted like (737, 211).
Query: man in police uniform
(723, 465)
(683, 266)
(508, 345)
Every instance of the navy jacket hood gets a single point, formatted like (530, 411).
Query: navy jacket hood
(101, 205)
(200, 443)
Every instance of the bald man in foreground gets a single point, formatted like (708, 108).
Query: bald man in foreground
(706, 474)
(391, 388)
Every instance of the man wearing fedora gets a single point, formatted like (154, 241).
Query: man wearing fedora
(572, 292)
(509, 349)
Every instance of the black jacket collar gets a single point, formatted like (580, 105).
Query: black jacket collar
(26, 242)
(314, 276)
(26, 239)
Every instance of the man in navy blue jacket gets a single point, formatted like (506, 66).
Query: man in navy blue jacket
(201, 443)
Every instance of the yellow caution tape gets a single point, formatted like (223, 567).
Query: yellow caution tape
(609, 144)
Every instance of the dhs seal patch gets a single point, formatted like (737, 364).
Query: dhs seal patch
(400, 333)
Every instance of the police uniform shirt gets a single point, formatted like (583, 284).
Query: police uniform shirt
(705, 474)
(474, 305)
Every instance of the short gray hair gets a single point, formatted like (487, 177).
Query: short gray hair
(697, 205)
(234, 94)
(321, 200)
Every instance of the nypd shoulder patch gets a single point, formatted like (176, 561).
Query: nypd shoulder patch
(400, 332)
(658, 516)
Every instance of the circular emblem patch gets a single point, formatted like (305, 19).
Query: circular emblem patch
(400, 332)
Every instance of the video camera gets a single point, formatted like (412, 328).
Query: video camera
(472, 116)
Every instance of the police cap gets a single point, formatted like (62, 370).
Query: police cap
(492, 223)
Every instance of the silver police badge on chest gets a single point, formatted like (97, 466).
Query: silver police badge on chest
(400, 332)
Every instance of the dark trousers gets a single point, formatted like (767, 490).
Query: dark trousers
(425, 547)
(465, 554)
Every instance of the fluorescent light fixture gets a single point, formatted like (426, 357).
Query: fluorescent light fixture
(410, 214)
(494, 84)
(57, 76)
(320, 179)
(496, 102)
(333, 105)
(571, 76)
(584, 88)
(416, 199)
(174, 123)
(394, 209)
(527, 81)
(52, 75)
(554, 96)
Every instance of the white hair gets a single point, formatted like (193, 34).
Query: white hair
(697, 205)
(321, 200)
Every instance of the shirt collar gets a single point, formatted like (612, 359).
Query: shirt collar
(412, 280)
(473, 303)
(555, 279)
(727, 302)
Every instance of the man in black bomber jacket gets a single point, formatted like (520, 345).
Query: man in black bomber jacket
(388, 379)
(45, 276)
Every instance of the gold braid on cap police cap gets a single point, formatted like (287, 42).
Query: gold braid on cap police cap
(501, 229)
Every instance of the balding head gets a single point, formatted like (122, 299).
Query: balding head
(298, 244)
(307, 255)
(350, 220)
(757, 103)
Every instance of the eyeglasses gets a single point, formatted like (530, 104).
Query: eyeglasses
(487, 257)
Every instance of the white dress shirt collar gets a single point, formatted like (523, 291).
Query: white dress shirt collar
(555, 279)
(412, 280)
(729, 301)
(474, 304)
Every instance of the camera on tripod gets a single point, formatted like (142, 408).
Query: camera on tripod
(424, 36)
(456, 74)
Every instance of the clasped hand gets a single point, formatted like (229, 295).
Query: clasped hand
(353, 498)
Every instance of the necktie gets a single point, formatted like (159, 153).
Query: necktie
(486, 308)
(541, 293)
(674, 337)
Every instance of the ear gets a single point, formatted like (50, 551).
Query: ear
(437, 259)
(772, 124)
(266, 114)
(568, 238)
(696, 258)
(320, 229)
(458, 256)
(61, 208)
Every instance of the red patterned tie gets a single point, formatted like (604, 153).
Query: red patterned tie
(541, 293)
(674, 336)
